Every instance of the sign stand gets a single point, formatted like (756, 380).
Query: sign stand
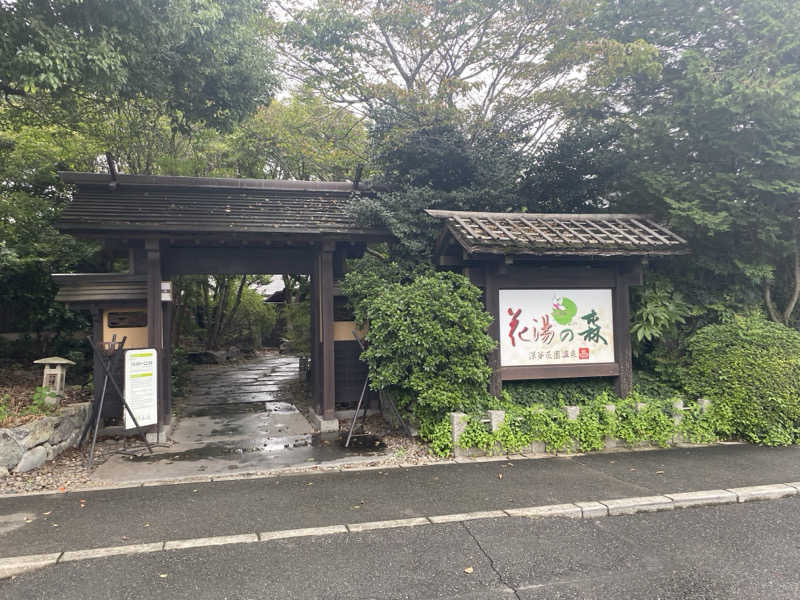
(106, 364)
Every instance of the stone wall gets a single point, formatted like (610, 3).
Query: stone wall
(28, 446)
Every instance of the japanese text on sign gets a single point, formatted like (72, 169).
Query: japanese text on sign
(556, 327)
(141, 387)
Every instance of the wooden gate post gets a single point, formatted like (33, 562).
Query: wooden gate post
(325, 300)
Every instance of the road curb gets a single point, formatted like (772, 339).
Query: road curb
(592, 509)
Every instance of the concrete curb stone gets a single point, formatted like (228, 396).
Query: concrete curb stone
(637, 504)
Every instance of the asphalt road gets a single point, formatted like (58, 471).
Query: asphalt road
(727, 552)
(84, 520)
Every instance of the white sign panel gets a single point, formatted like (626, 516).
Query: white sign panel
(556, 327)
(141, 386)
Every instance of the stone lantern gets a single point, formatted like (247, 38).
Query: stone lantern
(55, 373)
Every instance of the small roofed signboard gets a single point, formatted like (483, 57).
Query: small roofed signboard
(556, 327)
(141, 387)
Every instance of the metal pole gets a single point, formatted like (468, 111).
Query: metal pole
(121, 395)
(97, 424)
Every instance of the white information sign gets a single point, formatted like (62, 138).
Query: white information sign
(556, 327)
(141, 386)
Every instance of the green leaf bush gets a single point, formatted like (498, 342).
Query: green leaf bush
(750, 368)
(427, 340)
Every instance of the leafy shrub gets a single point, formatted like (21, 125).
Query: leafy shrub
(427, 341)
(750, 368)
(180, 368)
(652, 423)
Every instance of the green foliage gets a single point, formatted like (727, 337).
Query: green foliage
(39, 405)
(207, 61)
(439, 435)
(650, 423)
(750, 368)
(5, 408)
(298, 327)
(180, 369)
(595, 423)
(659, 313)
(701, 427)
(556, 392)
(427, 339)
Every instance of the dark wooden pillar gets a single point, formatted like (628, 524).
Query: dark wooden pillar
(316, 340)
(325, 290)
(492, 307)
(155, 318)
(97, 334)
(165, 409)
(622, 336)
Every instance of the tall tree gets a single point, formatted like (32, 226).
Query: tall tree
(497, 60)
(707, 135)
(207, 61)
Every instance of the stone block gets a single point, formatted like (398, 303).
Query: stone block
(3, 472)
(10, 450)
(612, 408)
(704, 404)
(496, 419)
(571, 511)
(631, 506)
(535, 448)
(50, 450)
(640, 406)
(592, 510)
(36, 432)
(63, 429)
(572, 412)
(32, 459)
(458, 422)
(763, 492)
(702, 498)
(612, 443)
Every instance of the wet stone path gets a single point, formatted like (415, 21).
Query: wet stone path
(237, 418)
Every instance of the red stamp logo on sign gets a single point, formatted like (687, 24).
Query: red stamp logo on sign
(583, 353)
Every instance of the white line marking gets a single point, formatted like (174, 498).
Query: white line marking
(370, 525)
(15, 565)
(220, 540)
(111, 551)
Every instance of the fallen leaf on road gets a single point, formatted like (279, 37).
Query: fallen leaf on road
(468, 570)
(309, 483)
(499, 475)
(47, 513)
(659, 472)
(55, 524)
(163, 575)
(633, 468)
(147, 524)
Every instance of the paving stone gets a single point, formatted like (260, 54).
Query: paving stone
(763, 492)
(592, 510)
(702, 498)
(631, 506)
(571, 511)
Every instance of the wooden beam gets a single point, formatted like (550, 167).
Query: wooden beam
(560, 371)
(155, 318)
(326, 329)
(493, 308)
(622, 336)
(196, 261)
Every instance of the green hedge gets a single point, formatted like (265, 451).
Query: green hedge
(750, 368)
